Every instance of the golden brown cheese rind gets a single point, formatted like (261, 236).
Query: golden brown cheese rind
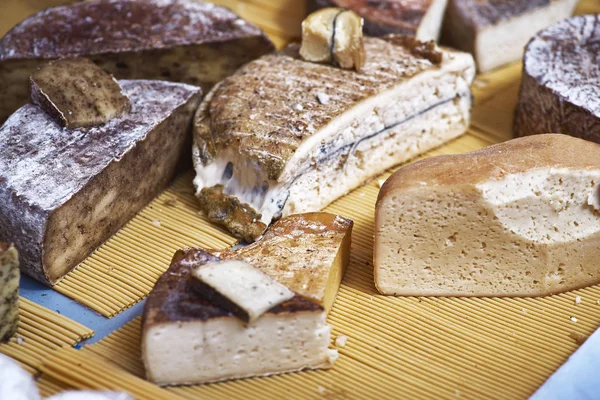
(297, 251)
(251, 111)
(494, 162)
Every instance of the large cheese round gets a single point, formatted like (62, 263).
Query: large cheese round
(561, 81)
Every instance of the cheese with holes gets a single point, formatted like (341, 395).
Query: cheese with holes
(521, 218)
(187, 339)
(9, 291)
(65, 191)
(240, 288)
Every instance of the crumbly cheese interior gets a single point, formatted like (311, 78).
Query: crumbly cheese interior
(224, 348)
(380, 132)
(500, 44)
(533, 233)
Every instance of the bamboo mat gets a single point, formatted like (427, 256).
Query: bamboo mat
(128, 265)
(40, 332)
(443, 348)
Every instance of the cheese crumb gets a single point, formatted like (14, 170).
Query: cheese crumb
(577, 300)
(172, 202)
(156, 222)
(380, 183)
(597, 301)
(323, 98)
(20, 340)
(321, 389)
(524, 311)
(299, 107)
(577, 337)
(573, 319)
(341, 340)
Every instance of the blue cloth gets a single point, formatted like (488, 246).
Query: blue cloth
(102, 326)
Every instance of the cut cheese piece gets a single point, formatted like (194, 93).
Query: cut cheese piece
(9, 291)
(186, 41)
(521, 218)
(65, 191)
(496, 31)
(267, 145)
(419, 18)
(77, 93)
(15, 382)
(240, 288)
(186, 339)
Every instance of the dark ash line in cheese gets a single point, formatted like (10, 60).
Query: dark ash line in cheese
(330, 155)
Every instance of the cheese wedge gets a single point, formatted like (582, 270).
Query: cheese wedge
(9, 291)
(187, 41)
(63, 191)
(284, 136)
(240, 288)
(186, 339)
(77, 93)
(521, 218)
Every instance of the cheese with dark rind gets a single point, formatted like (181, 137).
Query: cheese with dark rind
(77, 93)
(9, 291)
(188, 339)
(561, 81)
(420, 18)
(65, 191)
(495, 31)
(177, 40)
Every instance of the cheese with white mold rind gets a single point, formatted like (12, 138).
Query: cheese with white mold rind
(519, 218)
(9, 291)
(496, 31)
(240, 288)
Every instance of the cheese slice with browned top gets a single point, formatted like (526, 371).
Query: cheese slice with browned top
(188, 339)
